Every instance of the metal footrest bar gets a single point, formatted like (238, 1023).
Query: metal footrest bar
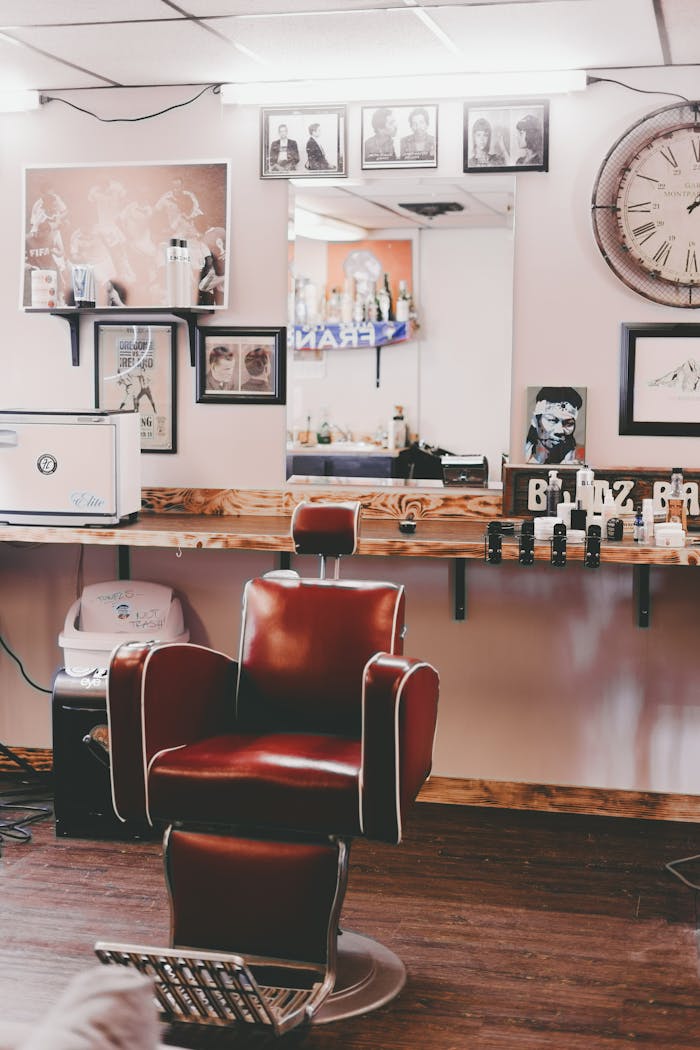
(219, 988)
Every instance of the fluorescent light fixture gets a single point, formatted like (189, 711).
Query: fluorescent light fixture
(321, 228)
(373, 89)
(18, 101)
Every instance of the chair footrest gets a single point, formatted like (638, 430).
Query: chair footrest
(217, 988)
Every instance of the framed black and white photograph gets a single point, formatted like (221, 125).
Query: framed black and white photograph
(506, 135)
(660, 380)
(556, 424)
(135, 370)
(400, 136)
(308, 141)
(242, 366)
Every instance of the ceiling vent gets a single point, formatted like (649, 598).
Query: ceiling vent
(431, 209)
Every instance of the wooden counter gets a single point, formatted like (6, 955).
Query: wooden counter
(448, 526)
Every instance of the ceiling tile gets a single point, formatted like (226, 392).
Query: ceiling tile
(566, 34)
(39, 12)
(682, 22)
(351, 44)
(21, 69)
(156, 53)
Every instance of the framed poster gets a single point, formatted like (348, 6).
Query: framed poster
(118, 221)
(556, 431)
(399, 136)
(135, 370)
(241, 366)
(506, 136)
(306, 140)
(660, 380)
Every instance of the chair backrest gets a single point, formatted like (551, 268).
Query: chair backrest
(327, 529)
(304, 645)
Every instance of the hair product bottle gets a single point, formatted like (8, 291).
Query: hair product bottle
(553, 494)
(675, 501)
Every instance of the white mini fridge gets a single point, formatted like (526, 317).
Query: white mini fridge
(69, 468)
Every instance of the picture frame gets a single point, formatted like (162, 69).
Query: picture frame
(241, 366)
(394, 136)
(555, 417)
(660, 380)
(118, 220)
(136, 370)
(303, 141)
(506, 135)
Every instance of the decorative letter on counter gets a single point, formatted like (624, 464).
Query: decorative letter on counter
(524, 487)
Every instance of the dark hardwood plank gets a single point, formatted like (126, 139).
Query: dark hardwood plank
(535, 931)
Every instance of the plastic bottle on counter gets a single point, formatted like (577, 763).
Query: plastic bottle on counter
(553, 494)
(397, 429)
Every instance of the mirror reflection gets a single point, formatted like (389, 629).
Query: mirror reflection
(421, 267)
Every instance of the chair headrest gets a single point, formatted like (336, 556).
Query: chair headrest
(329, 529)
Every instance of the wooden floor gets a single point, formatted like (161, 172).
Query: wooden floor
(527, 930)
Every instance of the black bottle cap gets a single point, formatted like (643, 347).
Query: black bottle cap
(527, 528)
(494, 526)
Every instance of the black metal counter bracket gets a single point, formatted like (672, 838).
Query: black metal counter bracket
(459, 587)
(642, 594)
(558, 546)
(526, 544)
(591, 552)
(493, 543)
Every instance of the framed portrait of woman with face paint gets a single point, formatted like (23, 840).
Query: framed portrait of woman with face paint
(556, 424)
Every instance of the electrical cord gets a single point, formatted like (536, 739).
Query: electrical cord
(672, 866)
(214, 88)
(24, 674)
(641, 91)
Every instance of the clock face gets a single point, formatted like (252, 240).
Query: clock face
(657, 201)
(646, 206)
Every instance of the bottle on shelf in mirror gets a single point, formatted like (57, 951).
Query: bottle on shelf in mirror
(333, 309)
(386, 310)
(358, 306)
(346, 303)
(372, 310)
(403, 303)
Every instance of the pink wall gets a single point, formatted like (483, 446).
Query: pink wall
(548, 679)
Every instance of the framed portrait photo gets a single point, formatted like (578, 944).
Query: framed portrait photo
(506, 136)
(308, 141)
(556, 425)
(135, 370)
(243, 366)
(660, 380)
(400, 136)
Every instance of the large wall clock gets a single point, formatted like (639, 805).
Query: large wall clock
(646, 206)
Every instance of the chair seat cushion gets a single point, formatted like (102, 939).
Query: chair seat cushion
(301, 781)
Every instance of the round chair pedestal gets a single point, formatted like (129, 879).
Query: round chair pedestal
(368, 976)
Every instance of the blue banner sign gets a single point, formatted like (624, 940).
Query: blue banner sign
(342, 336)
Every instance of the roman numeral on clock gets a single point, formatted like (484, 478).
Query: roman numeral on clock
(695, 143)
(667, 154)
(691, 262)
(662, 254)
(640, 207)
(649, 228)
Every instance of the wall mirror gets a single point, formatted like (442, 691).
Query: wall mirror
(448, 244)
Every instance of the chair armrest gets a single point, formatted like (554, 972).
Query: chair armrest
(399, 715)
(161, 696)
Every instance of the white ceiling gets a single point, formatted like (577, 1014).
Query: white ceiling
(93, 43)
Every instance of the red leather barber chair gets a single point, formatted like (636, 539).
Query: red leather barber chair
(264, 769)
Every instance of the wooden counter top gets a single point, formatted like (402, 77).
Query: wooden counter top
(441, 538)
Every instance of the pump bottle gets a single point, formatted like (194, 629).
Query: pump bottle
(553, 494)
(675, 501)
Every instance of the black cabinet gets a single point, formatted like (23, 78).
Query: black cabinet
(345, 466)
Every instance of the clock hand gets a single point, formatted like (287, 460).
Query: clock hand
(694, 204)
